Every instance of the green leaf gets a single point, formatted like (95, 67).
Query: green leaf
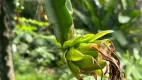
(83, 39)
(77, 40)
(75, 70)
(95, 66)
(84, 47)
(74, 55)
(64, 56)
(61, 19)
(87, 38)
(67, 44)
(93, 53)
(85, 62)
(101, 34)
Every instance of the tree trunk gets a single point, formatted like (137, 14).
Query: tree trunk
(6, 63)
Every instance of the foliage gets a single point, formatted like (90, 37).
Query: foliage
(120, 15)
(38, 51)
(132, 65)
(108, 15)
(59, 16)
(32, 50)
(88, 55)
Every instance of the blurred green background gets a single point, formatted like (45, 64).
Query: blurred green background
(37, 55)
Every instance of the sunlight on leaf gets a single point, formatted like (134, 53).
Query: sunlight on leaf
(123, 19)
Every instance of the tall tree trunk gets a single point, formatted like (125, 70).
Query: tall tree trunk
(6, 65)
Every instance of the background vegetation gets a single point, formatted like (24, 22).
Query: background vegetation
(37, 55)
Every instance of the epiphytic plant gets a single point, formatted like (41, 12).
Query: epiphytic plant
(88, 55)
(85, 54)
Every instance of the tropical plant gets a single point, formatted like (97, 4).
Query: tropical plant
(38, 53)
(84, 54)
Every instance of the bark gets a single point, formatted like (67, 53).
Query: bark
(6, 63)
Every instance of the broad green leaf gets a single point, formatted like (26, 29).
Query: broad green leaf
(101, 34)
(85, 62)
(83, 39)
(93, 53)
(67, 44)
(87, 37)
(95, 66)
(60, 18)
(77, 40)
(74, 55)
(75, 70)
(84, 47)
(56, 42)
